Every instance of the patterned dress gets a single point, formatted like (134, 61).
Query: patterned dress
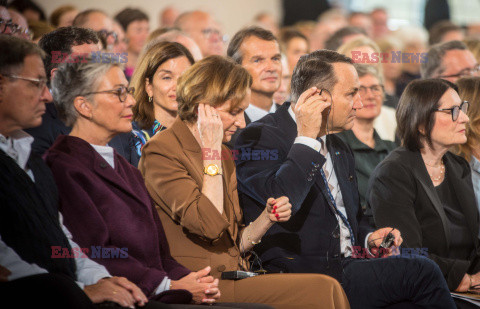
(143, 136)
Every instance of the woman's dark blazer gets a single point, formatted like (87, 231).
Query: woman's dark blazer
(401, 195)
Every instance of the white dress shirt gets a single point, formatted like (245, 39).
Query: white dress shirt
(18, 146)
(256, 113)
(345, 239)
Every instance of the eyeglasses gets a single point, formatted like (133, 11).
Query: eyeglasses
(4, 24)
(209, 32)
(456, 110)
(120, 92)
(105, 34)
(375, 89)
(23, 32)
(39, 83)
(465, 72)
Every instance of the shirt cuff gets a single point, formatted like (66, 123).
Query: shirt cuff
(308, 141)
(163, 286)
(366, 243)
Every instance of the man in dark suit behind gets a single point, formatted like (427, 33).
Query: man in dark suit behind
(258, 51)
(316, 171)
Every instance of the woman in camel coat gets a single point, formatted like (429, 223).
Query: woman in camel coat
(191, 177)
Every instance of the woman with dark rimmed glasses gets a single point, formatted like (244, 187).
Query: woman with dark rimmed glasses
(103, 198)
(426, 191)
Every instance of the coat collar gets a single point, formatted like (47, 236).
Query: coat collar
(193, 152)
(87, 156)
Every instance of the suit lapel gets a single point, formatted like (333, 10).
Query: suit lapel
(190, 146)
(193, 152)
(89, 157)
(105, 171)
(342, 172)
(421, 174)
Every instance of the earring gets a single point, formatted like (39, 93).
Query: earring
(150, 99)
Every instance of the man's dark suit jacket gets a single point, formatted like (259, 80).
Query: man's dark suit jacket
(309, 241)
(52, 127)
(401, 194)
(231, 143)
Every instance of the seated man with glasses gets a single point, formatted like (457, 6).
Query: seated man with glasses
(30, 224)
(368, 147)
(204, 30)
(450, 61)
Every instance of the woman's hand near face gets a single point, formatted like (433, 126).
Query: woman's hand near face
(210, 127)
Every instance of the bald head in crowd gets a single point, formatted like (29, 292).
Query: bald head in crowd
(168, 17)
(98, 21)
(178, 36)
(204, 30)
(450, 61)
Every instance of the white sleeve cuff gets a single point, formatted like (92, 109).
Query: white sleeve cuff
(308, 141)
(163, 286)
(366, 243)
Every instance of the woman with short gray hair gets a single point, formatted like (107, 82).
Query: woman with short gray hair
(103, 198)
(78, 80)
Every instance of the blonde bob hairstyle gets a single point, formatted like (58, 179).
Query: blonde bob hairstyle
(213, 81)
(469, 90)
(352, 45)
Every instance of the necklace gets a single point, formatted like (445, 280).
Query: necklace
(441, 164)
(442, 171)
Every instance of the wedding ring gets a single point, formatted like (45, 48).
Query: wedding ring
(114, 292)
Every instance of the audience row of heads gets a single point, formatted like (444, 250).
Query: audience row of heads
(224, 82)
(256, 49)
(365, 35)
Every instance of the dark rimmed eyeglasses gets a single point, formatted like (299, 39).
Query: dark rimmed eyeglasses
(105, 34)
(375, 89)
(23, 32)
(210, 32)
(5, 24)
(121, 92)
(464, 73)
(455, 110)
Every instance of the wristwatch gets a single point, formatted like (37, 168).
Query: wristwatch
(212, 170)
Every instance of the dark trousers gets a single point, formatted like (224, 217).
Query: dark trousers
(158, 305)
(55, 291)
(44, 291)
(383, 282)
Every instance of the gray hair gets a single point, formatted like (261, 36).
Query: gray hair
(433, 67)
(233, 50)
(13, 52)
(368, 69)
(72, 80)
